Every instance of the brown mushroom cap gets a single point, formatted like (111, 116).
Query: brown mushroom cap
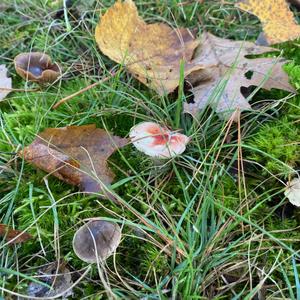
(37, 67)
(99, 235)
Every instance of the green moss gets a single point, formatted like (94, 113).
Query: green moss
(277, 142)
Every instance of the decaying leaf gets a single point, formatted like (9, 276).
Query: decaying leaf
(226, 59)
(5, 82)
(15, 236)
(279, 24)
(292, 192)
(151, 52)
(96, 240)
(75, 154)
(57, 276)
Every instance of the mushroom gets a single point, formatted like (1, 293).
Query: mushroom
(96, 240)
(157, 141)
(292, 191)
(37, 67)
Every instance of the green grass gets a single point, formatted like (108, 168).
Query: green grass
(194, 227)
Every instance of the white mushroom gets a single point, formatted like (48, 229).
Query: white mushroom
(292, 191)
(157, 141)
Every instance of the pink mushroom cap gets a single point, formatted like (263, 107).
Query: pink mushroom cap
(157, 141)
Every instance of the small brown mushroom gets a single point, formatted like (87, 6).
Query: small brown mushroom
(96, 240)
(37, 67)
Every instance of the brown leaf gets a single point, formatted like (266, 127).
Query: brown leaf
(279, 24)
(5, 83)
(16, 236)
(75, 154)
(225, 59)
(151, 52)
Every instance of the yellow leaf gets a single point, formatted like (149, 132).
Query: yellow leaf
(151, 52)
(278, 21)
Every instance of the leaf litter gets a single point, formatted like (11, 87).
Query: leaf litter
(151, 52)
(224, 58)
(279, 24)
(12, 235)
(57, 278)
(75, 154)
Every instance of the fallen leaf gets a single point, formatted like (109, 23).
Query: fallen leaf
(5, 83)
(157, 141)
(226, 60)
(75, 154)
(279, 24)
(151, 52)
(57, 276)
(16, 236)
(292, 191)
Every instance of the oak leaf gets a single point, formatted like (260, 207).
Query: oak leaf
(75, 154)
(151, 52)
(5, 83)
(226, 60)
(13, 235)
(279, 24)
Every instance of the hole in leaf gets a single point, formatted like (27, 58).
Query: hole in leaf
(247, 91)
(249, 74)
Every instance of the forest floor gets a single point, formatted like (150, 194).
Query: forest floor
(212, 223)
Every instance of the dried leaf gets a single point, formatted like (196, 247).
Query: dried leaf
(16, 236)
(226, 59)
(293, 191)
(5, 82)
(55, 275)
(279, 24)
(75, 154)
(151, 52)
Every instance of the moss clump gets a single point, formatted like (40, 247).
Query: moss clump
(278, 152)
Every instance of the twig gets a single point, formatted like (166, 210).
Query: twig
(63, 100)
(18, 90)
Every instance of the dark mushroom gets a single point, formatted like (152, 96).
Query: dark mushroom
(37, 67)
(96, 240)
